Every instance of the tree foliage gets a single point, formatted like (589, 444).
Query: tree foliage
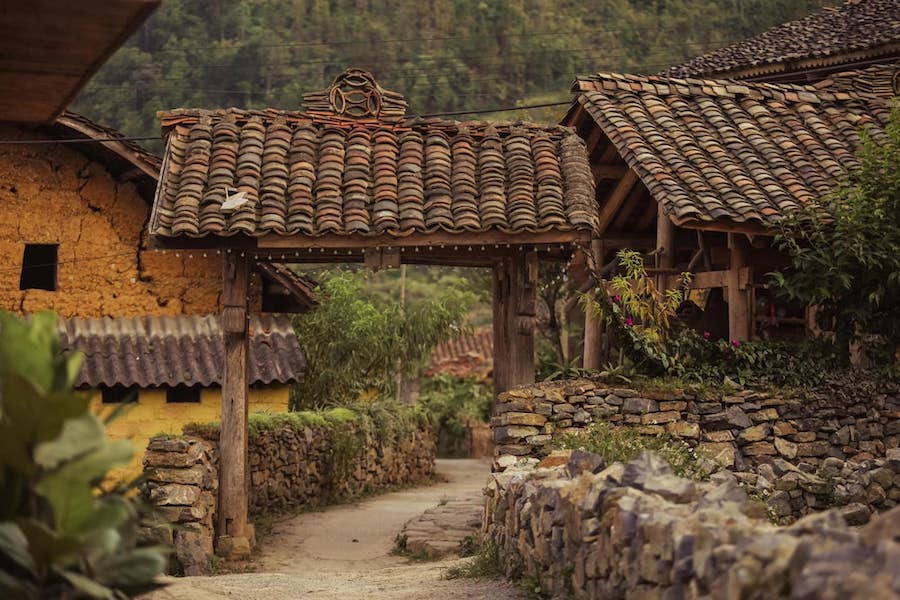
(844, 250)
(353, 342)
(61, 535)
(443, 55)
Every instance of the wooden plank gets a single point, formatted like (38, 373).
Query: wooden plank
(593, 139)
(421, 240)
(727, 227)
(592, 357)
(613, 202)
(739, 318)
(500, 305)
(233, 437)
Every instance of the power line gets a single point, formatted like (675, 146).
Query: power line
(80, 141)
(488, 110)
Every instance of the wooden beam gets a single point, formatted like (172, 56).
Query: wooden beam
(728, 227)
(631, 203)
(522, 317)
(739, 318)
(422, 240)
(593, 139)
(592, 357)
(613, 202)
(607, 172)
(501, 302)
(234, 534)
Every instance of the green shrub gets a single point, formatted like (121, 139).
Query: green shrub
(624, 443)
(452, 401)
(62, 535)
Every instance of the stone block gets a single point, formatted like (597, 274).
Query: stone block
(718, 436)
(819, 448)
(563, 407)
(513, 432)
(162, 444)
(673, 405)
(635, 405)
(175, 494)
(759, 449)
(786, 448)
(783, 428)
(720, 452)
(805, 436)
(522, 418)
(766, 414)
(232, 547)
(684, 430)
(657, 418)
(194, 551)
(736, 417)
(757, 433)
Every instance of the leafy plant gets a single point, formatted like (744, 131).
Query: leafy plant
(844, 250)
(354, 342)
(61, 534)
(623, 443)
(451, 402)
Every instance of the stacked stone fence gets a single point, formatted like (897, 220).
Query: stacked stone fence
(802, 452)
(585, 530)
(291, 468)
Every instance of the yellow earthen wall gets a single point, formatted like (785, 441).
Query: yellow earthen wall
(152, 415)
(53, 194)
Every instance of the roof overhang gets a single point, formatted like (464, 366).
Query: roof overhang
(51, 48)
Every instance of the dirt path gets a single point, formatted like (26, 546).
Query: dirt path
(345, 553)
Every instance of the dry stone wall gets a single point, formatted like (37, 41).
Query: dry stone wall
(585, 530)
(835, 446)
(290, 468)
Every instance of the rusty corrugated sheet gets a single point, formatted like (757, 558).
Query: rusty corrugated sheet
(180, 350)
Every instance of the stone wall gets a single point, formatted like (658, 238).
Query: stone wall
(803, 452)
(290, 468)
(585, 530)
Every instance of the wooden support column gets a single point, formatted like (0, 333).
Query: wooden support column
(665, 244)
(235, 535)
(593, 324)
(738, 291)
(515, 300)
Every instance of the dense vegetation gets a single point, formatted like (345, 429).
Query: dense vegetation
(357, 343)
(847, 263)
(62, 533)
(444, 55)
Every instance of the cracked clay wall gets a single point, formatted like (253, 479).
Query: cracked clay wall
(53, 194)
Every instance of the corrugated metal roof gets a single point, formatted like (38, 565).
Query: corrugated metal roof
(179, 350)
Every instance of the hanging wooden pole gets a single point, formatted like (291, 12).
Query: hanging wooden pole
(234, 532)
(593, 324)
(738, 292)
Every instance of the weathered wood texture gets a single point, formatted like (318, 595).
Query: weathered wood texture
(593, 324)
(233, 473)
(738, 295)
(515, 298)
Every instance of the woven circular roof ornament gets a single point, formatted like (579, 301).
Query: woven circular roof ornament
(355, 94)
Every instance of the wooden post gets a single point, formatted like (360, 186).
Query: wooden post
(515, 299)
(593, 324)
(665, 245)
(235, 536)
(738, 298)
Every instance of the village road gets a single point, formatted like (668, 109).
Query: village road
(344, 553)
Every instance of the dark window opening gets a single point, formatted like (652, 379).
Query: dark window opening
(182, 394)
(117, 394)
(39, 265)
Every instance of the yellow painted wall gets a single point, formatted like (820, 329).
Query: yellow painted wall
(151, 415)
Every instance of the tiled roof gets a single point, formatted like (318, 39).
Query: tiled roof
(353, 172)
(861, 27)
(880, 81)
(465, 356)
(727, 150)
(181, 350)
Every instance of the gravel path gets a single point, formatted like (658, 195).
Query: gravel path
(345, 553)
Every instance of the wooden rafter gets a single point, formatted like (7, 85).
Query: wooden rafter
(613, 202)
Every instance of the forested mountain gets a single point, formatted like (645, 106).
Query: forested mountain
(444, 55)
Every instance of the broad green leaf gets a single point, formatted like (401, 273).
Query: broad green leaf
(88, 586)
(78, 437)
(48, 546)
(14, 545)
(132, 569)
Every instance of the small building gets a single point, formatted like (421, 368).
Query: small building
(171, 367)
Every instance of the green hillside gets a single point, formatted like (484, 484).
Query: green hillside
(444, 55)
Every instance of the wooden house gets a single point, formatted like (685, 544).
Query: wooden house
(695, 172)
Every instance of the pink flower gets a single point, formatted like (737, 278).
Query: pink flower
(705, 335)
(629, 322)
(616, 299)
(735, 344)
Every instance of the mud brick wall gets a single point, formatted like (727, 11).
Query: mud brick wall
(587, 530)
(290, 468)
(52, 194)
